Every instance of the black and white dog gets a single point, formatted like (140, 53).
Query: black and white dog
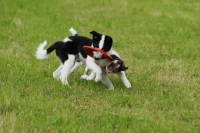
(71, 55)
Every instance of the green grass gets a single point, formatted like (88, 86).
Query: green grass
(158, 40)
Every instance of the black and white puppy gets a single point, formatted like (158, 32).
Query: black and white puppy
(70, 50)
(115, 66)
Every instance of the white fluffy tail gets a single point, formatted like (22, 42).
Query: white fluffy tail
(41, 53)
(73, 32)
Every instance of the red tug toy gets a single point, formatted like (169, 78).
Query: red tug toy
(89, 51)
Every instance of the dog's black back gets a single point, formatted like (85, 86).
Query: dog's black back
(74, 45)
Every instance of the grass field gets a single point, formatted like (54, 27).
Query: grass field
(157, 39)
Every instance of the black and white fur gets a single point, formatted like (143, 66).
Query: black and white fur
(116, 60)
(70, 52)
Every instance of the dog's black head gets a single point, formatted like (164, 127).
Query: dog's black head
(103, 42)
(116, 65)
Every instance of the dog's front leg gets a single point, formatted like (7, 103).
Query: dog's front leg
(90, 77)
(96, 70)
(85, 76)
(124, 79)
(106, 80)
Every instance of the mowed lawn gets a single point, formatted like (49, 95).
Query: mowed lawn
(159, 40)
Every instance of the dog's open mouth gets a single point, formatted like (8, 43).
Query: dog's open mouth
(112, 68)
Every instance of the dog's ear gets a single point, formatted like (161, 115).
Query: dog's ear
(124, 68)
(93, 32)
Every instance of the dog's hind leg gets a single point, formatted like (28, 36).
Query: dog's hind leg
(124, 79)
(57, 72)
(66, 69)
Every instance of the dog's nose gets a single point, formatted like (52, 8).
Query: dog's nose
(96, 58)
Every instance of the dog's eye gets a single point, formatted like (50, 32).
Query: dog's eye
(117, 59)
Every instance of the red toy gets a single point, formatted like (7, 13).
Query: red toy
(89, 51)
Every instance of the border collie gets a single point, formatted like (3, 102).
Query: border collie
(108, 67)
(71, 55)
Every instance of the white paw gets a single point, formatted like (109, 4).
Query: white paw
(84, 76)
(111, 87)
(56, 76)
(128, 85)
(66, 83)
(87, 77)
(98, 78)
(90, 77)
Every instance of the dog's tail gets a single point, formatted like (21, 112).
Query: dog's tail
(42, 53)
(73, 32)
